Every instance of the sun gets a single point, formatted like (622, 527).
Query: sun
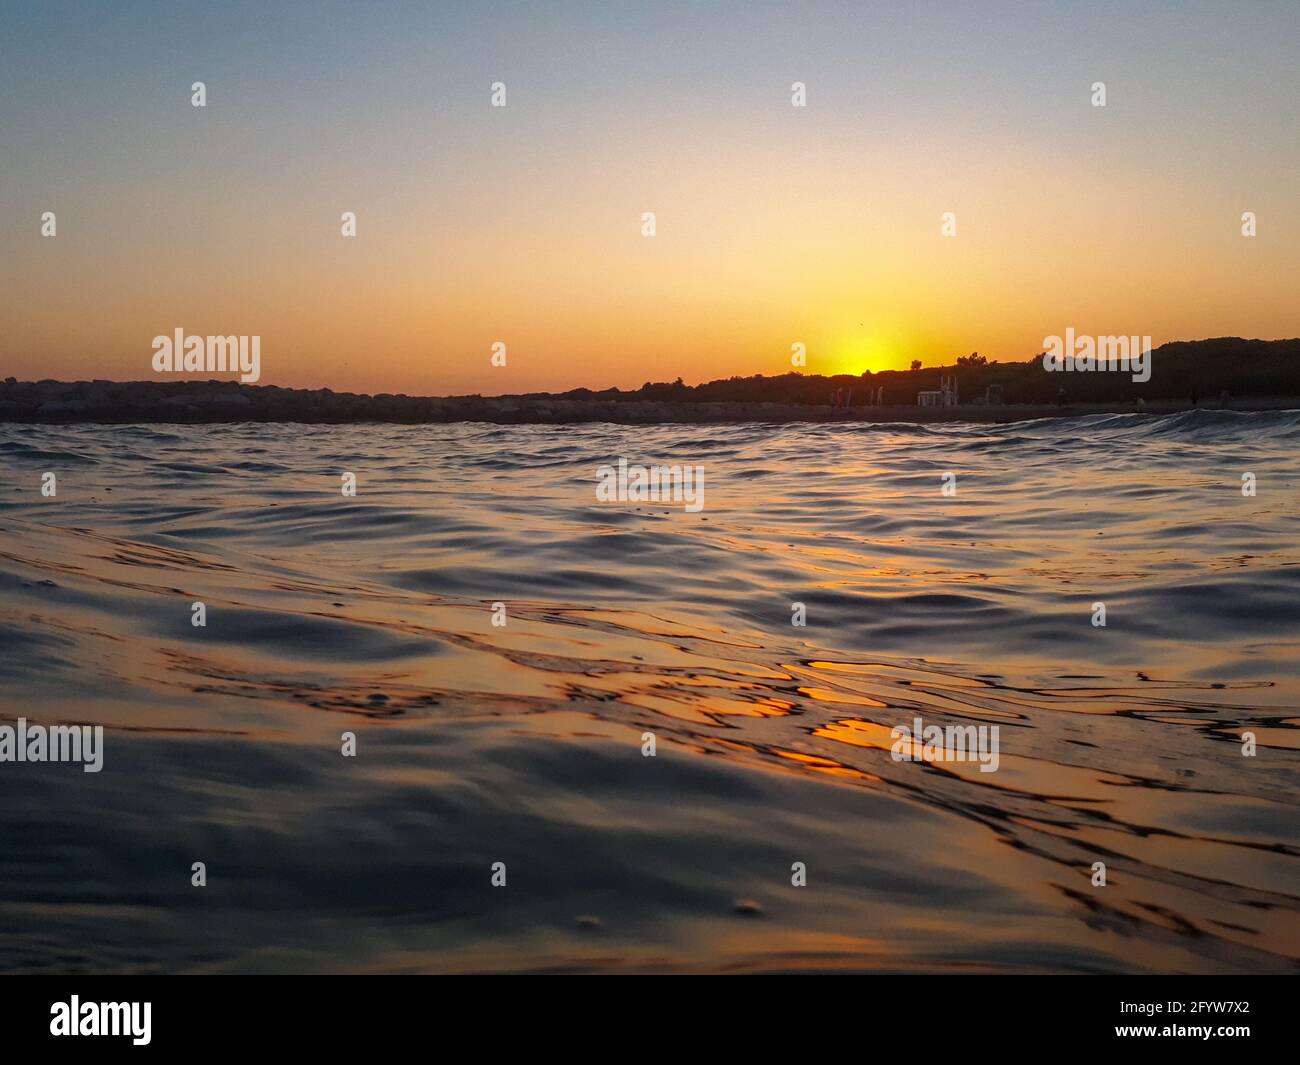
(858, 350)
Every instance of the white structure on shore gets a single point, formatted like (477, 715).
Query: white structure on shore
(944, 396)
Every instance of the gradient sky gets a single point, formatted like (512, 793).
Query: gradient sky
(522, 224)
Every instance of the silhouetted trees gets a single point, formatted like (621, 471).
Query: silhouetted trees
(1226, 364)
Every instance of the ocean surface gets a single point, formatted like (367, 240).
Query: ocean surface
(523, 744)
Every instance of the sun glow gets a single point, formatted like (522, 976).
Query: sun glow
(859, 349)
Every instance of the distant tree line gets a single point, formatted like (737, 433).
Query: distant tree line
(1179, 370)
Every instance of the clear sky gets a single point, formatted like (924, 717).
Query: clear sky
(523, 224)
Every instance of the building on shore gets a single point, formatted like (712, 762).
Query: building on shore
(944, 396)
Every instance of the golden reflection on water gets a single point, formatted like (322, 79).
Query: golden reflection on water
(773, 740)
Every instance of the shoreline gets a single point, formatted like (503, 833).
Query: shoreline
(226, 402)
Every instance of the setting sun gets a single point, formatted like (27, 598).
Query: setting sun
(859, 348)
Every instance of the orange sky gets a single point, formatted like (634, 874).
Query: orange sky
(775, 224)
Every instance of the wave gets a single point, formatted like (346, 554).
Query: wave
(500, 644)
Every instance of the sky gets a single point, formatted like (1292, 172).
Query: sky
(774, 225)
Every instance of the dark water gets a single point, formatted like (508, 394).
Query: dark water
(523, 744)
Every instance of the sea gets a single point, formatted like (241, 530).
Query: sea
(381, 698)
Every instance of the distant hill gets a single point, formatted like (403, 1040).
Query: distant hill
(1239, 367)
(1256, 374)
